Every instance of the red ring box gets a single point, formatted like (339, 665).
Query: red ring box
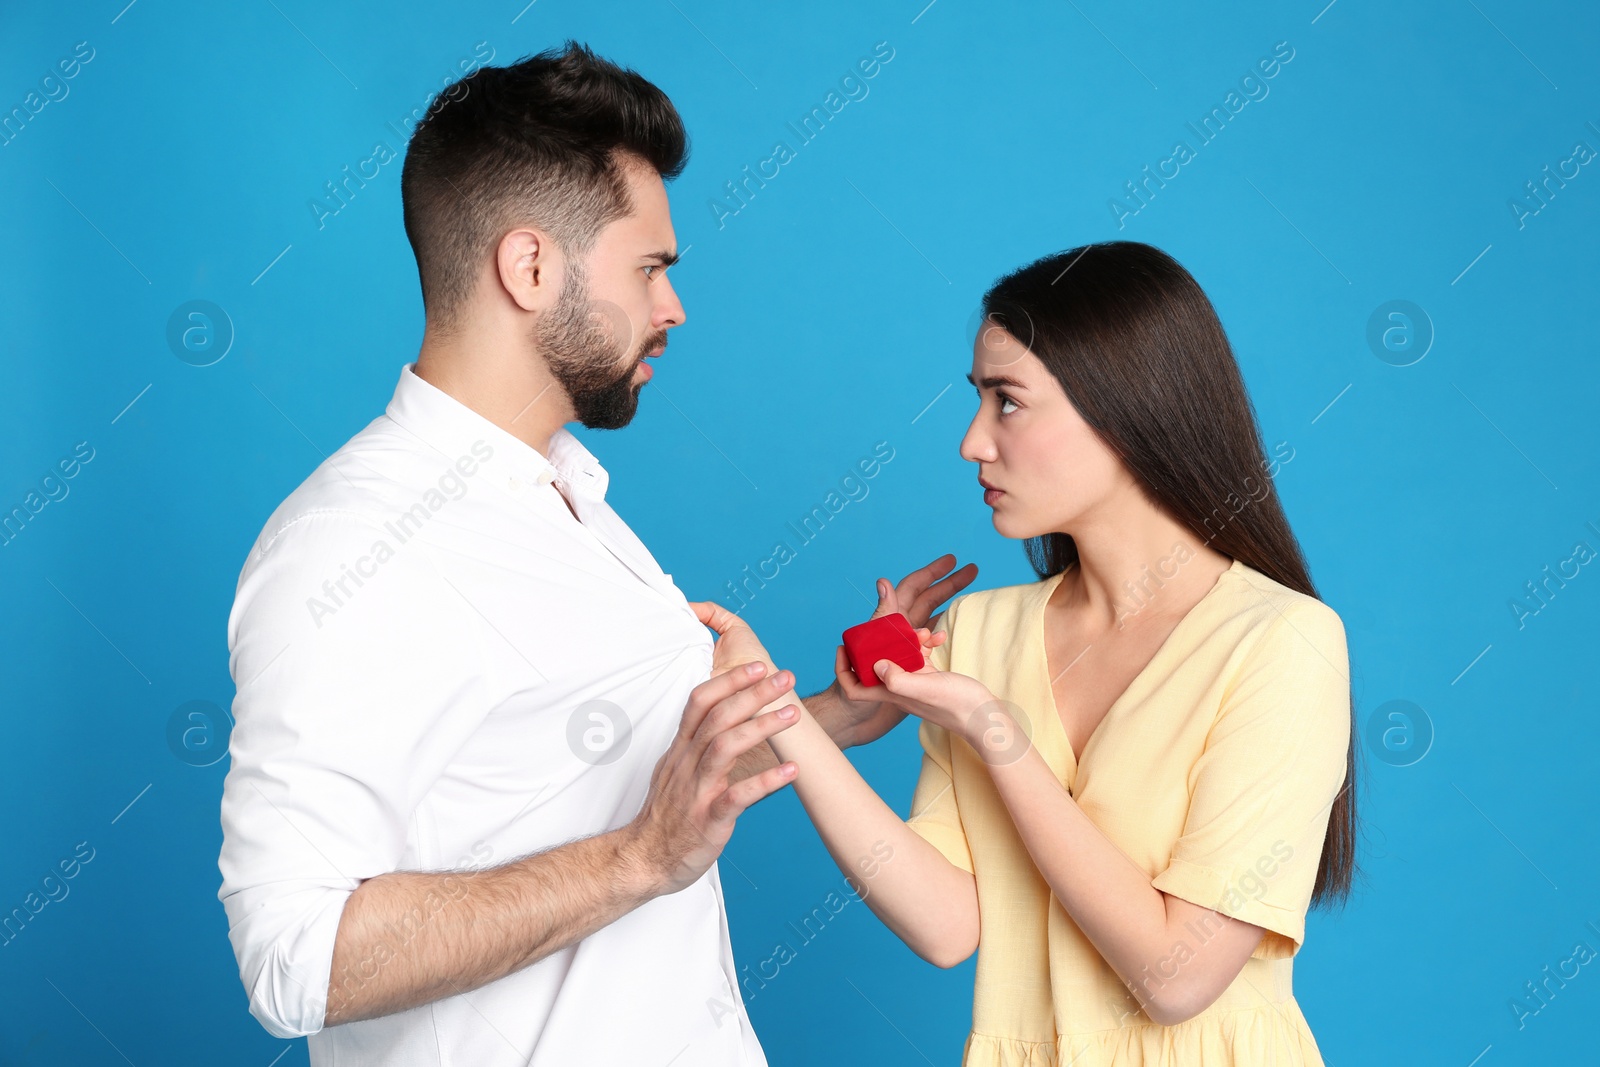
(886, 637)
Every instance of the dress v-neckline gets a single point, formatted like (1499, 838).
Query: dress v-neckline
(1042, 658)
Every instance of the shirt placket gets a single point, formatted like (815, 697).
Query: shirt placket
(588, 523)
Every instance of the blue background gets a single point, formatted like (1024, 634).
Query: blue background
(827, 315)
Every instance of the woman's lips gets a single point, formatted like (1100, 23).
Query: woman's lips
(990, 496)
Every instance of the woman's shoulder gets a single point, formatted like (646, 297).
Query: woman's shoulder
(1262, 607)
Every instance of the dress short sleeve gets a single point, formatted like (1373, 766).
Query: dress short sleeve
(1263, 789)
(934, 815)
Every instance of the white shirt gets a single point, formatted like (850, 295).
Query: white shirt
(439, 667)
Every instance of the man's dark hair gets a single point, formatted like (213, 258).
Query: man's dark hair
(544, 142)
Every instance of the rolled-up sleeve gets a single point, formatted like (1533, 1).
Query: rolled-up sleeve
(356, 667)
(1262, 792)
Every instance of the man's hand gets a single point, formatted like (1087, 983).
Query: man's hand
(501, 919)
(921, 591)
(689, 812)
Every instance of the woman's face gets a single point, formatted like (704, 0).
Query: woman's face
(1030, 443)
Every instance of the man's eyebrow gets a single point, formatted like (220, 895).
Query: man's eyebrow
(996, 381)
(667, 258)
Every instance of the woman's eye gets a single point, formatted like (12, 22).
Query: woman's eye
(1004, 400)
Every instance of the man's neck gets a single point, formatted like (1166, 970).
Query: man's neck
(516, 394)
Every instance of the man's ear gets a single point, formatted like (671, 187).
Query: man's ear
(530, 268)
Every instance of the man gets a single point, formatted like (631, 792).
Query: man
(485, 753)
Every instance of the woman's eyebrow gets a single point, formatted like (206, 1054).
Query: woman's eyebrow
(996, 381)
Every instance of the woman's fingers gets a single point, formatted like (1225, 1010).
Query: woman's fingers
(849, 684)
(892, 687)
(907, 685)
(714, 615)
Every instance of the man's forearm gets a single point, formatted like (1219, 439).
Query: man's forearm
(412, 937)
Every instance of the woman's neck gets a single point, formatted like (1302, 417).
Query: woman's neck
(1152, 573)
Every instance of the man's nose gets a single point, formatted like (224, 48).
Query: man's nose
(670, 310)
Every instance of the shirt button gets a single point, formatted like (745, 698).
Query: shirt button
(546, 476)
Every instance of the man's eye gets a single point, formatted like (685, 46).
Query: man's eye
(650, 267)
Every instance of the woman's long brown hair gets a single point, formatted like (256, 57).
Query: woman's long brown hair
(1141, 354)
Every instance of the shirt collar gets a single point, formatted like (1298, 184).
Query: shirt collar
(451, 428)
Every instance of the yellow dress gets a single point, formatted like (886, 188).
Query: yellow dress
(1215, 772)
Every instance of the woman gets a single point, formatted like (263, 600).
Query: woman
(1136, 770)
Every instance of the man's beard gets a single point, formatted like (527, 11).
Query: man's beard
(584, 342)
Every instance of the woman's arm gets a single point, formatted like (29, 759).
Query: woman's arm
(1175, 956)
(929, 902)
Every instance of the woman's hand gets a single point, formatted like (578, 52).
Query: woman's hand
(997, 729)
(866, 716)
(737, 644)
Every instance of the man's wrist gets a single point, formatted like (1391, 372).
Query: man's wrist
(828, 708)
(639, 875)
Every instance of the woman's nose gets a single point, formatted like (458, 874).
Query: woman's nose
(974, 446)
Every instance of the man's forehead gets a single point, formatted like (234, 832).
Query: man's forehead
(650, 222)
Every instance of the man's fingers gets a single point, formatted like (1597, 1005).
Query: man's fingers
(724, 750)
(741, 706)
(929, 599)
(714, 691)
(911, 586)
(888, 599)
(745, 792)
(914, 583)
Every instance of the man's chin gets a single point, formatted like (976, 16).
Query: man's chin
(613, 416)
